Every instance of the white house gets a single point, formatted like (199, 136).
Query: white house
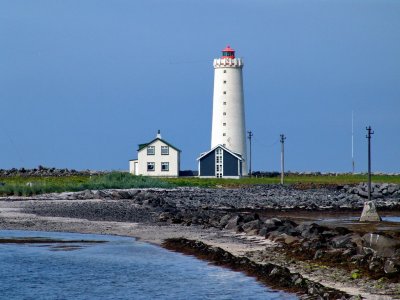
(156, 158)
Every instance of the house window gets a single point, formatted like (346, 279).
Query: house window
(151, 150)
(164, 150)
(224, 92)
(165, 166)
(150, 166)
(224, 103)
(219, 163)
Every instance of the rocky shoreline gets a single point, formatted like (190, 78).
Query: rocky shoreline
(273, 275)
(42, 171)
(346, 261)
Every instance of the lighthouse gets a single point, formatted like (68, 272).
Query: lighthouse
(228, 117)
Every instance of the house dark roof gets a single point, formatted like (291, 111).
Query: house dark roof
(238, 156)
(141, 146)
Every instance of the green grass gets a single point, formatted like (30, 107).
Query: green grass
(341, 179)
(27, 186)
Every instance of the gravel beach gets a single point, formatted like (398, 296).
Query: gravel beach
(242, 222)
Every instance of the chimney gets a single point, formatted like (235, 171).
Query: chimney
(159, 134)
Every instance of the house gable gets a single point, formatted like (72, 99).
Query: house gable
(231, 163)
(144, 146)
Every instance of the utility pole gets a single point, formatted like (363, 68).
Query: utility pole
(368, 136)
(283, 138)
(352, 142)
(250, 134)
(369, 213)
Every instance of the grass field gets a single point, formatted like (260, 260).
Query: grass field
(27, 186)
(342, 179)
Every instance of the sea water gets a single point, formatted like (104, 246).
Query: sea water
(120, 268)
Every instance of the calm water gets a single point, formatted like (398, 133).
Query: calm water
(352, 219)
(122, 268)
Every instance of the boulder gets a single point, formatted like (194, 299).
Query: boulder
(310, 230)
(342, 241)
(381, 245)
(369, 213)
(273, 221)
(233, 223)
(393, 188)
(265, 229)
(288, 239)
(224, 220)
(252, 225)
(391, 266)
(376, 264)
(251, 217)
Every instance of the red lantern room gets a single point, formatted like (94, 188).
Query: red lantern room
(228, 52)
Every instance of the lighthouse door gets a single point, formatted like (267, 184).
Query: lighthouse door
(218, 163)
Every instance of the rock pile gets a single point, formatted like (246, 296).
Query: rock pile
(376, 254)
(41, 171)
(378, 190)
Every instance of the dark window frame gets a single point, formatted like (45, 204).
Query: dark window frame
(150, 163)
(164, 147)
(151, 147)
(164, 163)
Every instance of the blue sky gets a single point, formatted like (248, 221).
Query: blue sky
(83, 82)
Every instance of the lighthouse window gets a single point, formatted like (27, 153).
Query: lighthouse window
(224, 81)
(224, 124)
(224, 113)
(224, 103)
(224, 134)
(224, 71)
(224, 92)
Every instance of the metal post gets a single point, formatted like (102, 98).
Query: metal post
(283, 138)
(368, 136)
(250, 134)
(352, 143)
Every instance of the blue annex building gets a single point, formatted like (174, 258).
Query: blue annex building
(220, 162)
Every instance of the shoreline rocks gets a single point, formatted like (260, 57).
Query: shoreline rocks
(271, 274)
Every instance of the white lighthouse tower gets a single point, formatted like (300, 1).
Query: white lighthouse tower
(228, 120)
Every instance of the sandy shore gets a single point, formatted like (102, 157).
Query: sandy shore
(12, 216)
